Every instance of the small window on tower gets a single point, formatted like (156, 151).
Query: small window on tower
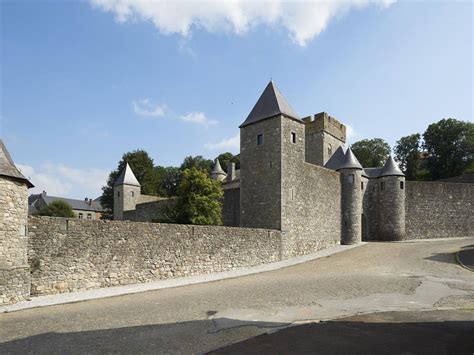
(382, 186)
(132, 193)
(402, 185)
(350, 178)
(329, 150)
(118, 193)
(361, 185)
(260, 139)
(293, 137)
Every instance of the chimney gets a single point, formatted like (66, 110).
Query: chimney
(230, 172)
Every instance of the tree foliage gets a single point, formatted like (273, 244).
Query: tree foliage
(407, 153)
(450, 144)
(57, 208)
(199, 199)
(371, 153)
(226, 158)
(168, 180)
(197, 162)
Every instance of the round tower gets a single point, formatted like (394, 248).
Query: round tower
(352, 196)
(127, 192)
(391, 202)
(217, 172)
(14, 268)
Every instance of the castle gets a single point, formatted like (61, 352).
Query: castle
(296, 176)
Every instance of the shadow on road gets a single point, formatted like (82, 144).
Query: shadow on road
(346, 336)
(449, 258)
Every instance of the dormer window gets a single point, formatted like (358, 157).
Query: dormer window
(260, 139)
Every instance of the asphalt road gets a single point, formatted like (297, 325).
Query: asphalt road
(378, 277)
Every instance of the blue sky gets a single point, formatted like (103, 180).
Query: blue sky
(84, 82)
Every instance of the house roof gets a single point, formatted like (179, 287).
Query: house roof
(217, 169)
(8, 168)
(349, 161)
(373, 173)
(127, 177)
(270, 103)
(75, 204)
(391, 168)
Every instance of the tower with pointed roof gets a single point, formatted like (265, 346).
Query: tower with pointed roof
(217, 172)
(127, 192)
(391, 202)
(14, 268)
(266, 143)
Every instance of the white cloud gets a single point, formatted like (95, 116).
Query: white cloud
(232, 144)
(197, 117)
(64, 181)
(145, 108)
(351, 133)
(302, 20)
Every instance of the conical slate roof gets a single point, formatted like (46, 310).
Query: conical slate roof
(391, 168)
(349, 161)
(8, 168)
(217, 169)
(270, 103)
(336, 159)
(127, 177)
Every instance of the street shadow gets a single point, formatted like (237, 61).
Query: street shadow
(334, 337)
(448, 258)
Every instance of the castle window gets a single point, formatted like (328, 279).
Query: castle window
(118, 193)
(402, 185)
(330, 150)
(382, 186)
(350, 178)
(80, 215)
(361, 185)
(260, 139)
(89, 216)
(23, 231)
(293, 137)
(132, 193)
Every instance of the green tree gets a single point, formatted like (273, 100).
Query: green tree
(57, 208)
(142, 166)
(226, 158)
(197, 162)
(371, 153)
(199, 199)
(407, 153)
(450, 144)
(168, 180)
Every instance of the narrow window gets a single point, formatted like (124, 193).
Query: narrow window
(402, 185)
(350, 179)
(382, 186)
(89, 216)
(80, 216)
(23, 231)
(293, 137)
(330, 150)
(118, 193)
(132, 193)
(271, 164)
(361, 185)
(260, 139)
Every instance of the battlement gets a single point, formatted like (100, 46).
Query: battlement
(324, 122)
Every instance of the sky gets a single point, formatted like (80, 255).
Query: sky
(83, 82)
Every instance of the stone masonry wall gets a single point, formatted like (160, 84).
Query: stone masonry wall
(231, 207)
(14, 271)
(149, 211)
(311, 198)
(70, 255)
(439, 210)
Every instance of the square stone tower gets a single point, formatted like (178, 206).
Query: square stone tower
(324, 134)
(127, 192)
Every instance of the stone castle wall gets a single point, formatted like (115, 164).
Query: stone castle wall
(231, 207)
(14, 269)
(439, 210)
(311, 198)
(149, 211)
(70, 255)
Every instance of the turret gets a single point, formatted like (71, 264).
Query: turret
(14, 269)
(126, 192)
(351, 194)
(391, 202)
(217, 172)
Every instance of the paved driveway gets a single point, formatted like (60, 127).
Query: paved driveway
(409, 276)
